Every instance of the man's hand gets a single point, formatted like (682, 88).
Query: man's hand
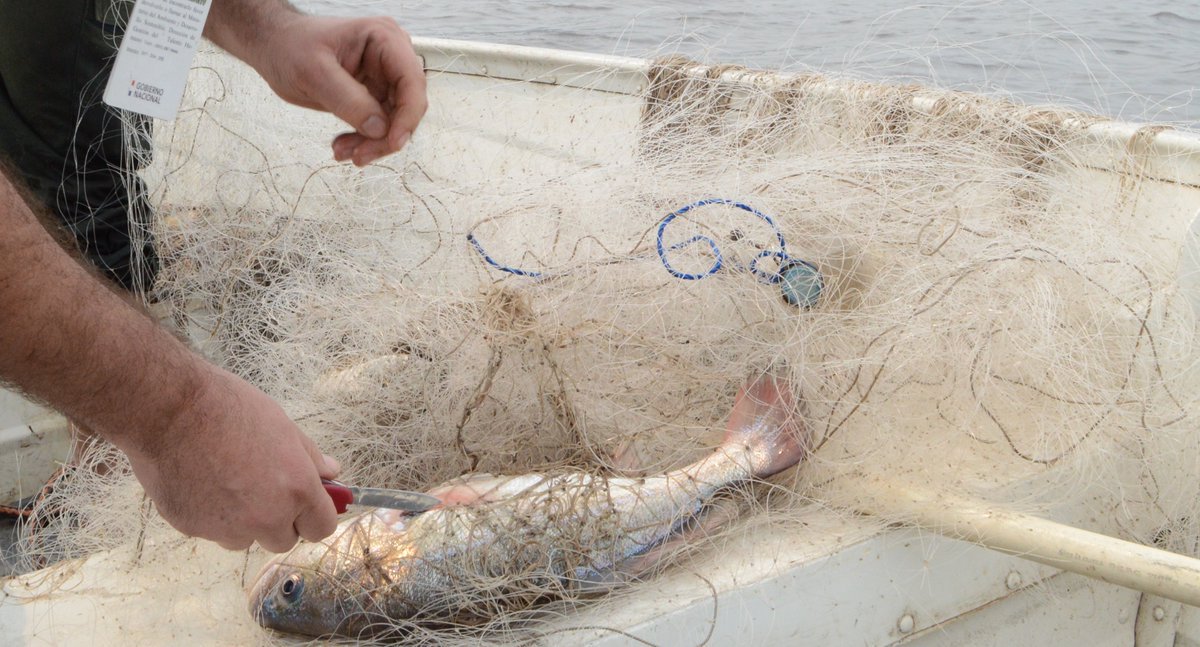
(232, 467)
(218, 457)
(364, 70)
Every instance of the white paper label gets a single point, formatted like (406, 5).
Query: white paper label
(152, 63)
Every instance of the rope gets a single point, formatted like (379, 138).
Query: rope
(802, 280)
(490, 261)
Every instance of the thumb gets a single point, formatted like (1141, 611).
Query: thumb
(335, 90)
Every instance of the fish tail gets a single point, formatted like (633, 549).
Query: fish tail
(765, 424)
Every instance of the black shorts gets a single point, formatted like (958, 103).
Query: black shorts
(71, 149)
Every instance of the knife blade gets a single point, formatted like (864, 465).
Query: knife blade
(344, 495)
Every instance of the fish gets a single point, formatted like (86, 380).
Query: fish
(504, 544)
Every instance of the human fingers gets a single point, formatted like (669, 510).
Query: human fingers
(318, 517)
(395, 72)
(327, 466)
(279, 539)
(317, 521)
(235, 544)
(332, 467)
(234, 538)
(405, 76)
(389, 66)
(344, 145)
(269, 518)
(361, 150)
(335, 90)
(372, 149)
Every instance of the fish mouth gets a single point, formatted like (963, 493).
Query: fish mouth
(261, 587)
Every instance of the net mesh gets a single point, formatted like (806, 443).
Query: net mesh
(996, 317)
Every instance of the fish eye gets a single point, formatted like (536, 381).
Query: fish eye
(291, 588)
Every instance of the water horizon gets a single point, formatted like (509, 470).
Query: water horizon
(1135, 61)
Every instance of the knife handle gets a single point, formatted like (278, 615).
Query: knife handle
(341, 495)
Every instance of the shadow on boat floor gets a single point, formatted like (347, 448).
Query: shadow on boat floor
(8, 540)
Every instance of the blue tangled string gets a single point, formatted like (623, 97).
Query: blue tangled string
(491, 261)
(781, 255)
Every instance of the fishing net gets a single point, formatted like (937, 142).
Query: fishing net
(958, 296)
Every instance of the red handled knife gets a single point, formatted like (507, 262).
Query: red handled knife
(344, 495)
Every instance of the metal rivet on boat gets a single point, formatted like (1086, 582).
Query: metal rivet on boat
(1123, 616)
(1159, 614)
(1013, 581)
(484, 70)
(907, 623)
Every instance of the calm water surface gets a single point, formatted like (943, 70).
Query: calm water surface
(1134, 59)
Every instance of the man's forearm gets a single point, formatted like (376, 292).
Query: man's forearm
(69, 341)
(238, 25)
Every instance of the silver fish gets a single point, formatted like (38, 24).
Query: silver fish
(507, 543)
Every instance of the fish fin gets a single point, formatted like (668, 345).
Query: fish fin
(476, 489)
(764, 419)
(627, 460)
(468, 489)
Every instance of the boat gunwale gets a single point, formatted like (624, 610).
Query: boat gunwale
(1155, 143)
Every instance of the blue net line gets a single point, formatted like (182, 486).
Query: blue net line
(781, 255)
(491, 261)
(718, 261)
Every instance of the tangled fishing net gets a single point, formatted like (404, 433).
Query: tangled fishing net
(512, 295)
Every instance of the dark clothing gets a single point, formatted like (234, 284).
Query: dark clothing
(69, 147)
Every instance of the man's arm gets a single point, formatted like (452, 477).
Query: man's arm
(364, 70)
(217, 456)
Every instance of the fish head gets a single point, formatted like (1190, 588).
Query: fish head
(343, 585)
(295, 599)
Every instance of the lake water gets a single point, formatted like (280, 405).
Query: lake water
(1135, 60)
